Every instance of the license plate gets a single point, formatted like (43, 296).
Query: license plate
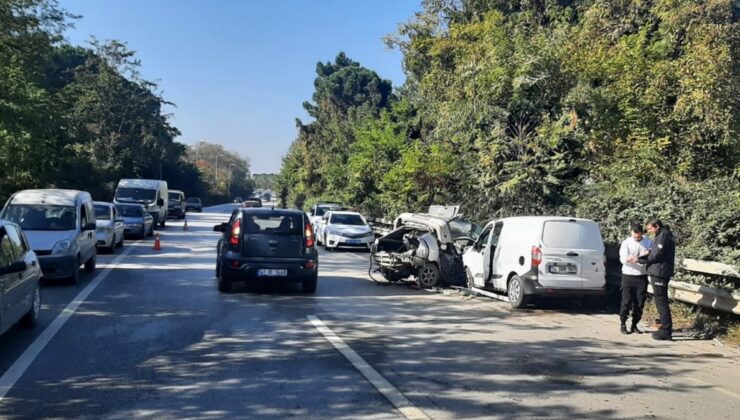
(562, 269)
(354, 241)
(272, 272)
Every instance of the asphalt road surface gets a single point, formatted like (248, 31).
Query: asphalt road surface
(148, 335)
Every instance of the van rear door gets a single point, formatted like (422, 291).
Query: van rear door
(572, 254)
(272, 235)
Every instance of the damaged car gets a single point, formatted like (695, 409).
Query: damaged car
(426, 246)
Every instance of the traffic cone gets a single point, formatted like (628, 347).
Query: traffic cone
(185, 226)
(157, 245)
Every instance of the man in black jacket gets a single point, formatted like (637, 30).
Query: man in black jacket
(660, 262)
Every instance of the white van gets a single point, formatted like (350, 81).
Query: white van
(152, 193)
(60, 227)
(543, 255)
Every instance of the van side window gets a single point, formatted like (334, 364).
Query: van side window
(483, 239)
(7, 256)
(83, 216)
(496, 233)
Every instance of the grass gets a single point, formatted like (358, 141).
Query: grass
(703, 322)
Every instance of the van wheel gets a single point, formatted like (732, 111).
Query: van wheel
(469, 283)
(31, 317)
(90, 264)
(517, 298)
(309, 286)
(428, 276)
(120, 243)
(75, 277)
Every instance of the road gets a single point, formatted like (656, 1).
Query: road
(155, 339)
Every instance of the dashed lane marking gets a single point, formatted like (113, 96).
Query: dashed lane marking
(393, 395)
(18, 368)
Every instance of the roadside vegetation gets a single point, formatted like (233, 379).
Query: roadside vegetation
(613, 111)
(83, 117)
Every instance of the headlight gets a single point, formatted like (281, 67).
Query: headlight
(61, 247)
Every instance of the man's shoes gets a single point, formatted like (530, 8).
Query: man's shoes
(623, 329)
(662, 335)
(635, 330)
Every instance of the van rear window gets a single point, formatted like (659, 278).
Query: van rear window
(273, 224)
(572, 235)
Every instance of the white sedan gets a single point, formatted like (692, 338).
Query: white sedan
(346, 229)
(108, 226)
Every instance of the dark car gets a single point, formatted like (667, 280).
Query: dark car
(266, 245)
(193, 204)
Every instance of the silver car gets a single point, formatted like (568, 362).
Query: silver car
(136, 220)
(108, 226)
(20, 273)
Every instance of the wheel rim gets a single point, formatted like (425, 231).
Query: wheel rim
(36, 303)
(515, 291)
(427, 276)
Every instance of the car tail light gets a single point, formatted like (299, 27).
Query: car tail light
(236, 231)
(310, 264)
(309, 236)
(536, 256)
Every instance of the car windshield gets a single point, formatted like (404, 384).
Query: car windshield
(347, 219)
(131, 211)
(320, 210)
(102, 212)
(42, 217)
(173, 196)
(139, 195)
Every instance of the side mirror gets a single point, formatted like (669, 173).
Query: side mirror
(221, 227)
(160, 202)
(89, 226)
(16, 267)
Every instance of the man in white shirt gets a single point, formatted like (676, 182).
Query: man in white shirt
(634, 278)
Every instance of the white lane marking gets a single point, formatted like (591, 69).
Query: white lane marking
(393, 395)
(18, 368)
(714, 387)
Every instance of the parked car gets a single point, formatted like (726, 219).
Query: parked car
(152, 193)
(345, 228)
(109, 226)
(319, 209)
(193, 204)
(252, 202)
(20, 273)
(266, 245)
(176, 204)
(428, 246)
(60, 227)
(529, 256)
(238, 200)
(137, 221)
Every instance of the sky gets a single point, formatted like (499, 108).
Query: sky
(238, 71)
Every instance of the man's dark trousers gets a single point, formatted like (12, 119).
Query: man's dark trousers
(634, 292)
(660, 294)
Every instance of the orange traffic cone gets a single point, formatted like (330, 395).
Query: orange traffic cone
(185, 226)
(157, 245)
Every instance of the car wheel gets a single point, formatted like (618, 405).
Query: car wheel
(309, 286)
(225, 284)
(517, 298)
(163, 223)
(31, 317)
(469, 283)
(75, 277)
(390, 275)
(90, 264)
(428, 276)
(151, 230)
(120, 242)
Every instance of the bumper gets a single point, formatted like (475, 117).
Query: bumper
(247, 269)
(132, 230)
(334, 241)
(533, 287)
(57, 266)
(104, 238)
(193, 208)
(176, 212)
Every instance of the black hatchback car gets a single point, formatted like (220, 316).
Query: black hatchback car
(266, 245)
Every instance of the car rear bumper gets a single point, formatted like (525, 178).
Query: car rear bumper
(243, 269)
(57, 266)
(532, 286)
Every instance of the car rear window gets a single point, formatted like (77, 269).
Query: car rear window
(572, 235)
(278, 224)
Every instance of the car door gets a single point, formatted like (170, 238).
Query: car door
(10, 285)
(117, 223)
(474, 259)
(494, 257)
(27, 279)
(87, 237)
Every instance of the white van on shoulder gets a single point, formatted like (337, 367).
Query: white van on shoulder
(152, 193)
(538, 255)
(60, 227)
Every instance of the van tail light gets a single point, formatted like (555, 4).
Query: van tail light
(309, 236)
(236, 231)
(536, 256)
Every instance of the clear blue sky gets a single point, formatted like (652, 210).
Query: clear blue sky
(239, 70)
